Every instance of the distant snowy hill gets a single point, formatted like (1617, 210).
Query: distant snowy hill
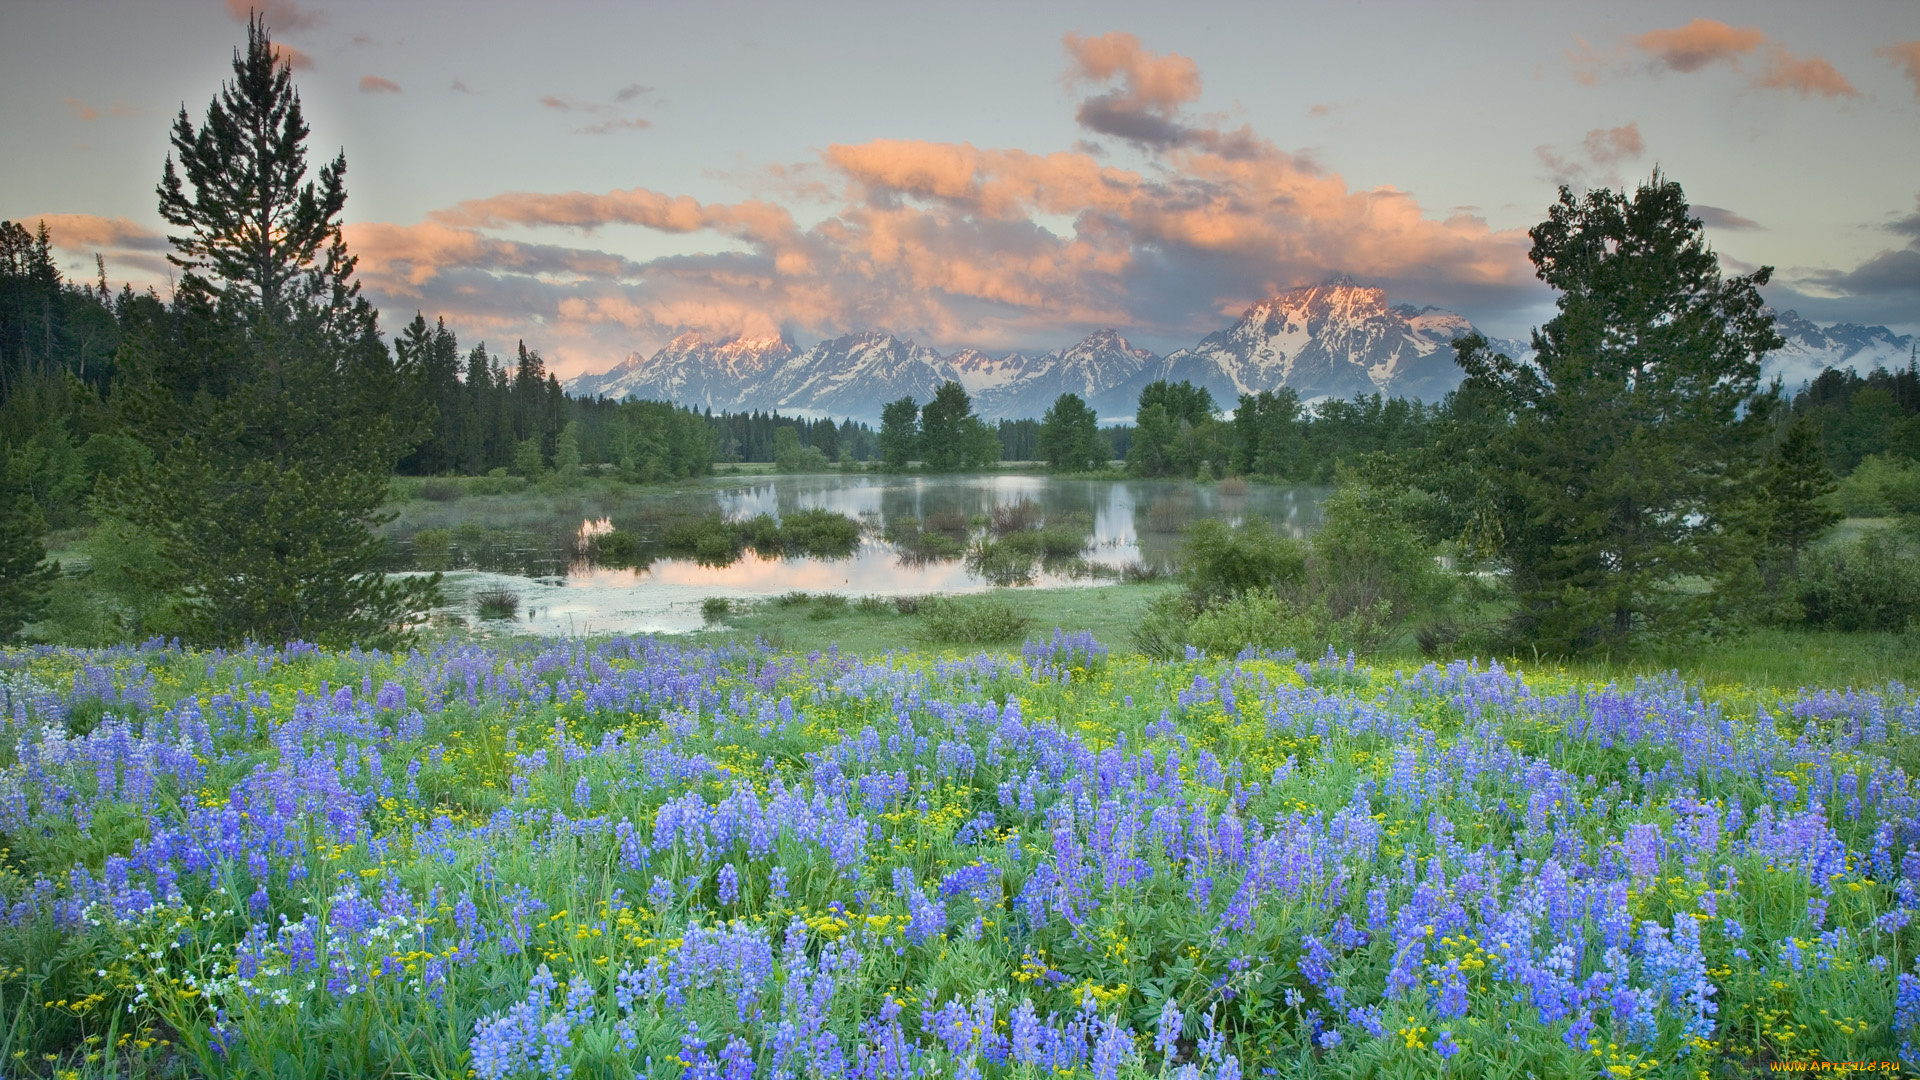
(1812, 349)
(1333, 340)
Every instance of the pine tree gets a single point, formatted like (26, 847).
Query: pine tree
(269, 400)
(1796, 479)
(25, 573)
(1629, 435)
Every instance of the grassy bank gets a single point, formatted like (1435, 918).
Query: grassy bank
(1776, 658)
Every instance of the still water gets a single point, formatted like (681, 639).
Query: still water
(541, 548)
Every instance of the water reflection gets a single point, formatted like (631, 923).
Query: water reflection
(919, 534)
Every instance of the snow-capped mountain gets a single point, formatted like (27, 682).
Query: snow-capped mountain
(690, 370)
(1104, 369)
(1812, 349)
(852, 375)
(1332, 340)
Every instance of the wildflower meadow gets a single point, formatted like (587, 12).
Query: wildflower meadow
(631, 857)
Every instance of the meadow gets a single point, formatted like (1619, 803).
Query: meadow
(645, 857)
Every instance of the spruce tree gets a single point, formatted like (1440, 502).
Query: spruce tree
(1796, 480)
(1630, 435)
(25, 573)
(273, 409)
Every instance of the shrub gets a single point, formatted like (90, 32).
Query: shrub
(1015, 517)
(818, 532)
(827, 606)
(1138, 572)
(907, 605)
(874, 605)
(796, 598)
(1880, 486)
(951, 621)
(1218, 562)
(433, 548)
(617, 548)
(715, 609)
(441, 490)
(947, 521)
(1165, 628)
(1872, 583)
(497, 602)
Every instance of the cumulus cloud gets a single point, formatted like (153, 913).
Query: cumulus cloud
(1905, 54)
(1707, 43)
(1595, 158)
(959, 244)
(277, 14)
(1804, 75)
(374, 84)
(1698, 44)
(1153, 88)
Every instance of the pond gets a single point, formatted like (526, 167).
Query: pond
(918, 535)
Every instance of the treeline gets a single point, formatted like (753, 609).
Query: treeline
(1182, 432)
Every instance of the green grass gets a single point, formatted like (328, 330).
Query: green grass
(1770, 658)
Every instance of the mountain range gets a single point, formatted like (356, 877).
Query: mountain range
(1333, 340)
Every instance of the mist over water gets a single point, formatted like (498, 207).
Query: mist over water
(542, 547)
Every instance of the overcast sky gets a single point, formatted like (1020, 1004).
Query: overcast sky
(599, 177)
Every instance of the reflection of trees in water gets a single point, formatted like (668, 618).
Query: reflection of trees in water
(925, 520)
(1168, 514)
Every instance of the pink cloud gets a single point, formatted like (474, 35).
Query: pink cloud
(1699, 43)
(277, 14)
(954, 243)
(374, 84)
(81, 109)
(1153, 88)
(87, 232)
(1705, 42)
(1805, 76)
(1906, 54)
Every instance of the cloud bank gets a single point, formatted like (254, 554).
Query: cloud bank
(951, 243)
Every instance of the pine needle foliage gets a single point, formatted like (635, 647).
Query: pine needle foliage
(269, 400)
(1630, 438)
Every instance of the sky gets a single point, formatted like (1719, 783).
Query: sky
(596, 178)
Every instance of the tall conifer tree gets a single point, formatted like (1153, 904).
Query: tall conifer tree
(272, 406)
(1631, 433)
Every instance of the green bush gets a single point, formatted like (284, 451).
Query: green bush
(950, 621)
(1219, 562)
(1872, 583)
(827, 606)
(1880, 486)
(818, 532)
(1355, 586)
(715, 609)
